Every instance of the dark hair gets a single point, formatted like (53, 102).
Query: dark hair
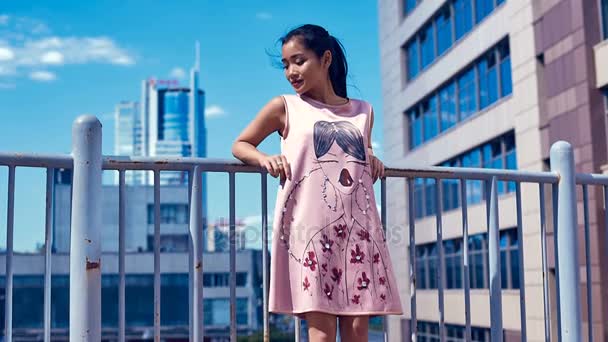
(317, 39)
(344, 133)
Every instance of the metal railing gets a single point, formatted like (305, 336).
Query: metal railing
(88, 163)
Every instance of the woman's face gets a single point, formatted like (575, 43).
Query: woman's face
(342, 169)
(303, 69)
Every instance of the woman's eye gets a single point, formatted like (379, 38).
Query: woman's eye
(300, 62)
(358, 162)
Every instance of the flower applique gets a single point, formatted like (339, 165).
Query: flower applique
(336, 275)
(340, 230)
(326, 244)
(363, 282)
(328, 290)
(364, 235)
(357, 255)
(310, 261)
(306, 284)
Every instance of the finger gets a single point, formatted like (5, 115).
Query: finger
(382, 170)
(281, 168)
(287, 167)
(274, 167)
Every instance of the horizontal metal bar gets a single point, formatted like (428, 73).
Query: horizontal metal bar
(591, 179)
(472, 174)
(178, 164)
(36, 160)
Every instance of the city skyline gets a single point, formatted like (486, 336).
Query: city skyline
(54, 77)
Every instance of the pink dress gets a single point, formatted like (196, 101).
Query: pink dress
(329, 250)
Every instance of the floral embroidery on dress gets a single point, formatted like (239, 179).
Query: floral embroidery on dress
(306, 284)
(310, 261)
(326, 244)
(329, 290)
(340, 230)
(336, 275)
(364, 235)
(363, 282)
(376, 258)
(357, 256)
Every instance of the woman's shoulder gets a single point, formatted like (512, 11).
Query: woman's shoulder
(362, 104)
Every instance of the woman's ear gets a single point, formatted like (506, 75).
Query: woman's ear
(327, 57)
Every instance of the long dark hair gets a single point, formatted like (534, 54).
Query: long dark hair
(317, 39)
(348, 137)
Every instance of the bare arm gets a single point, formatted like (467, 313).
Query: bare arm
(270, 118)
(377, 165)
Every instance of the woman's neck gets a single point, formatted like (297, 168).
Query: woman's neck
(326, 95)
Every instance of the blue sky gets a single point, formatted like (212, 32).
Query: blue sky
(62, 59)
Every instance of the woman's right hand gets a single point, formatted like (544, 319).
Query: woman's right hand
(276, 165)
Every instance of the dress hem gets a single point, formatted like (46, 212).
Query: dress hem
(300, 314)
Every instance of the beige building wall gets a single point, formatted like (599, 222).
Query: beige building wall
(532, 111)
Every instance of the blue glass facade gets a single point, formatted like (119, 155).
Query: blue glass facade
(477, 87)
(427, 262)
(499, 153)
(409, 5)
(429, 332)
(450, 23)
(28, 299)
(173, 119)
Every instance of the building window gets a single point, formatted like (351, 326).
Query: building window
(169, 213)
(215, 279)
(427, 46)
(429, 332)
(415, 127)
(427, 262)
(443, 23)
(488, 80)
(506, 82)
(453, 264)
(412, 59)
(431, 121)
(478, 251)
(604, 11)
(463, 17)
(499, 153)
(217, 311)
(447, 106)
(455, 15)
(482, 9)
(409, 5)
(477, 87)
(509, 259)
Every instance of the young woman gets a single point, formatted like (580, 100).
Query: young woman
(329, 258)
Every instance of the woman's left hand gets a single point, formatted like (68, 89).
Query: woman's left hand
(377, 167)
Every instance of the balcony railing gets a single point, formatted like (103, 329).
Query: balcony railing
(87, 164)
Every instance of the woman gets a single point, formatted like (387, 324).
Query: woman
(329, 257)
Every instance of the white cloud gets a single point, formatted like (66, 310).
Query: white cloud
(178, 73)
(52, 57)
(6, 54)
(43, 76)
(214, 111)
(263, 16)
(27, 45)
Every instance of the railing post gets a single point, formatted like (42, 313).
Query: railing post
(85, 244)
(562, 162)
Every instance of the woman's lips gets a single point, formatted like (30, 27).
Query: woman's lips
(345, 178)
(297, 84)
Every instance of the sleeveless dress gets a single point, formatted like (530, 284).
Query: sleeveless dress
(328, 249)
